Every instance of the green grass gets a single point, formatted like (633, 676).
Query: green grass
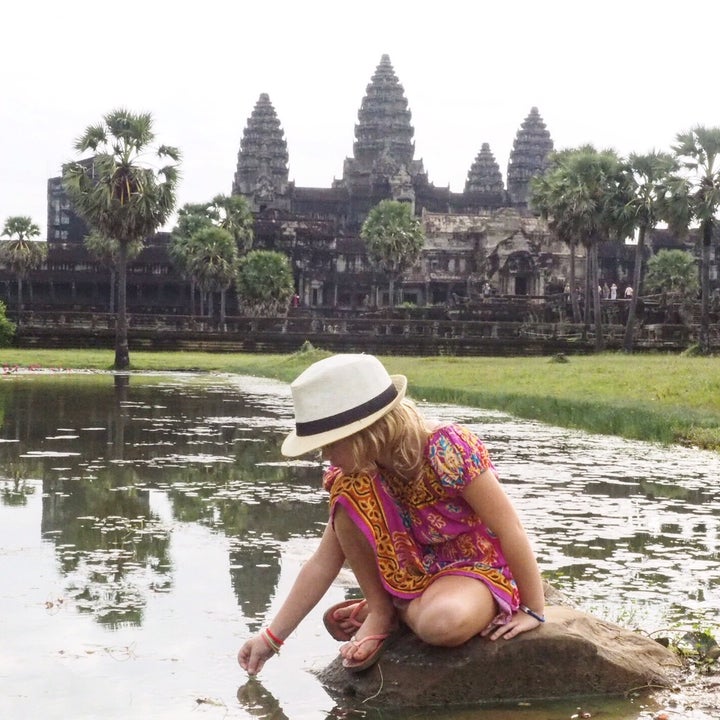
(666, 398)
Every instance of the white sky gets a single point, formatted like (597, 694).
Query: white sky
(625, 74)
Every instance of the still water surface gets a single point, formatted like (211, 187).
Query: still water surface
(148, 525)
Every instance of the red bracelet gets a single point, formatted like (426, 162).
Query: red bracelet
(274, 638)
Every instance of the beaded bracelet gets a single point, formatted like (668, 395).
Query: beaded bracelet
(273, 642)
(532, 613)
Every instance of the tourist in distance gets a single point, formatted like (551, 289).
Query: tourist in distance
(416, 511)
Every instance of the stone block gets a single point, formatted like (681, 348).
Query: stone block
(571, 654)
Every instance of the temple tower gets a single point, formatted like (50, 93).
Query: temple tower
(262, 167)
(484, 176)
(382, 165)
(529, 156)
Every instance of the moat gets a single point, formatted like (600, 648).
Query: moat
(148, 524)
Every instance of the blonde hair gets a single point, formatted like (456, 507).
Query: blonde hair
(396, 441)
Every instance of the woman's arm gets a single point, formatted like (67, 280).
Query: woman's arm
(489, 501)
(312, 582)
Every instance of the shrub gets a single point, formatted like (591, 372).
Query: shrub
(7, 327)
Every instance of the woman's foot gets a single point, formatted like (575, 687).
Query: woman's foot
(344, 619)
(371, 647)
(369, 641)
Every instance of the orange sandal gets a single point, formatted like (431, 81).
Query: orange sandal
(332, 624)
(373, 657)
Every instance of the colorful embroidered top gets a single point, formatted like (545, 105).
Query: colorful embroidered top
(425, 528)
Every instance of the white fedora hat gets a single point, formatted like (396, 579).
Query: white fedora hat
(338, 396)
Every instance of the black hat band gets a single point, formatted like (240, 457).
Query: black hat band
(359, 412)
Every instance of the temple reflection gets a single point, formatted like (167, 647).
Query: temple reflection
(100, 447)
(101, 443)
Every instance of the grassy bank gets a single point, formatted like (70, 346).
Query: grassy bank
(666, 398)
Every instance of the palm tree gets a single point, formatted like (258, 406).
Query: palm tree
(213, 262)
(394, 238)
(229, 213)
(120, 198)
(698, 152)
(549, 196)
(192, 217)
(674, 275)
(107, 251)
(20, 253)
(673, 272)
(587, 195)
(233, 213)
(647, 177)
(599, 193)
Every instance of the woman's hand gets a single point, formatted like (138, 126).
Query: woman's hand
(253, 655)
(521, 622)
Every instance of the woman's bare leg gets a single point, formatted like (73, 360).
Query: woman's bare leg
(381, 614)
(452, 610)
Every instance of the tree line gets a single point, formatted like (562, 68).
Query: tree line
(590, 196)
(586, 196)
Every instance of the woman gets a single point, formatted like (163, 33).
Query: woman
(416, 511)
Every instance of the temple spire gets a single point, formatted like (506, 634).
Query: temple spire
(384, 132)
(529, 156)
(383, 135)
(484, 176)
(262, 167)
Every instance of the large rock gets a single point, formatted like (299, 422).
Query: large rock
(571, 654)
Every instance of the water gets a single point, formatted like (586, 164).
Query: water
(148, 525)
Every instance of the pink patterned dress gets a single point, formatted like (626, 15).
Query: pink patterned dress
(425, 529)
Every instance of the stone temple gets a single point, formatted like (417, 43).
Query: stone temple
(483, 234)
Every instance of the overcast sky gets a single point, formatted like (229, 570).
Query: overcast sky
(622, 74)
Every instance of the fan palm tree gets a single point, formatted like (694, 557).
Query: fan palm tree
(107, 251)
(229, 213)
(696, 197)
(394, 238)
(233, 213)
(192, 217)
(647, 176)
(119, 197)
(21, 253)
(549, 196)
(598, 195)
(673, 273)
(587, 195)
(213, 262)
